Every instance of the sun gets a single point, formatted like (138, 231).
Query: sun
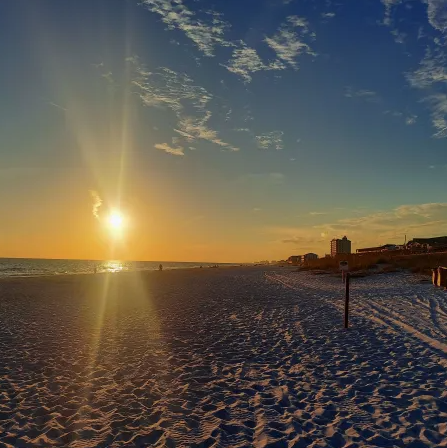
(116, 220)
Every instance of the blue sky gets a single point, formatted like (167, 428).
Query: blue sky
(268, 127)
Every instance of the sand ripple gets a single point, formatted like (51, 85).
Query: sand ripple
(230, 358)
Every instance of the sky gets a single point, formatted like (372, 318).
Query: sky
(223, 131)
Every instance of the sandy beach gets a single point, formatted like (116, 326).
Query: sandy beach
(235, 357)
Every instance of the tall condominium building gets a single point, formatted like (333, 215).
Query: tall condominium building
(340, 246)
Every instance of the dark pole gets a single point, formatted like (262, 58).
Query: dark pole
(347, 300)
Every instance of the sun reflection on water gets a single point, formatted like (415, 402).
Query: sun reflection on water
(114, 266)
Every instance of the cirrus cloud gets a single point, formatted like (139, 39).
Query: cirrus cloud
(176, 151)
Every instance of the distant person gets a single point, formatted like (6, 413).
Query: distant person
(95, 270)
(160, 268)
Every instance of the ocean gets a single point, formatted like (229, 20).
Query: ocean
(27, 267)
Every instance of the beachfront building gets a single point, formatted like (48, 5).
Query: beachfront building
(300, 259)
(340, 246)
(384, 248)
(294, 259)
(429, 244)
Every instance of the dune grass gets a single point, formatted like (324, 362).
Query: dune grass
(417, 263)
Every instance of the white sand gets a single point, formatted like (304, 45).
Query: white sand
(222, 358)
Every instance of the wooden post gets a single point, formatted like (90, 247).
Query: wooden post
(347, 300)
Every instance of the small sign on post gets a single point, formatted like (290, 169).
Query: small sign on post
(344, 268)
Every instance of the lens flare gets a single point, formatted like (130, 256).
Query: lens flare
(116, 220)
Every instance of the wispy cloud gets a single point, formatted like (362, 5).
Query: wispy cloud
(437, 14)
(277, 178)
(176, 151)
(245, 61)
(389, 6)
(303, 242)
(270, 140)
(317, 213)
(432, 76)
(57, 106)
(402, 216)
(373, 228)
(190, 103)
(196, 128)
(288, 42)
(273, 178)
(206, 31)
(367, 95)
(169, 89)
(393, 113)
(438, 105)
(410, 120)
(328, 15)
(399, 36)
(432, 70)
(97, 202)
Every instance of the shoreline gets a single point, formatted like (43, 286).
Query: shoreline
(123, 272)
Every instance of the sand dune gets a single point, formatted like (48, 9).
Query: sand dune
(221, 358)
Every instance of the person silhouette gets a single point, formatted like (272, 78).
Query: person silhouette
(160, 268)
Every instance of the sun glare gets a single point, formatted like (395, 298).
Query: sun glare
(116, 221)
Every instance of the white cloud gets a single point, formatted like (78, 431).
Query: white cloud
(288, 43)
(328, 15)
(206, 32)
(432, 70)
(437, 14)
(245, 61)
(270, 140)
(431, 76)
(438, 105)
(196, 128)
(97, 202)
(389, 5)
(189, 102)
(409, 119)
(177, 151)
(166, 88)
(317, 213)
